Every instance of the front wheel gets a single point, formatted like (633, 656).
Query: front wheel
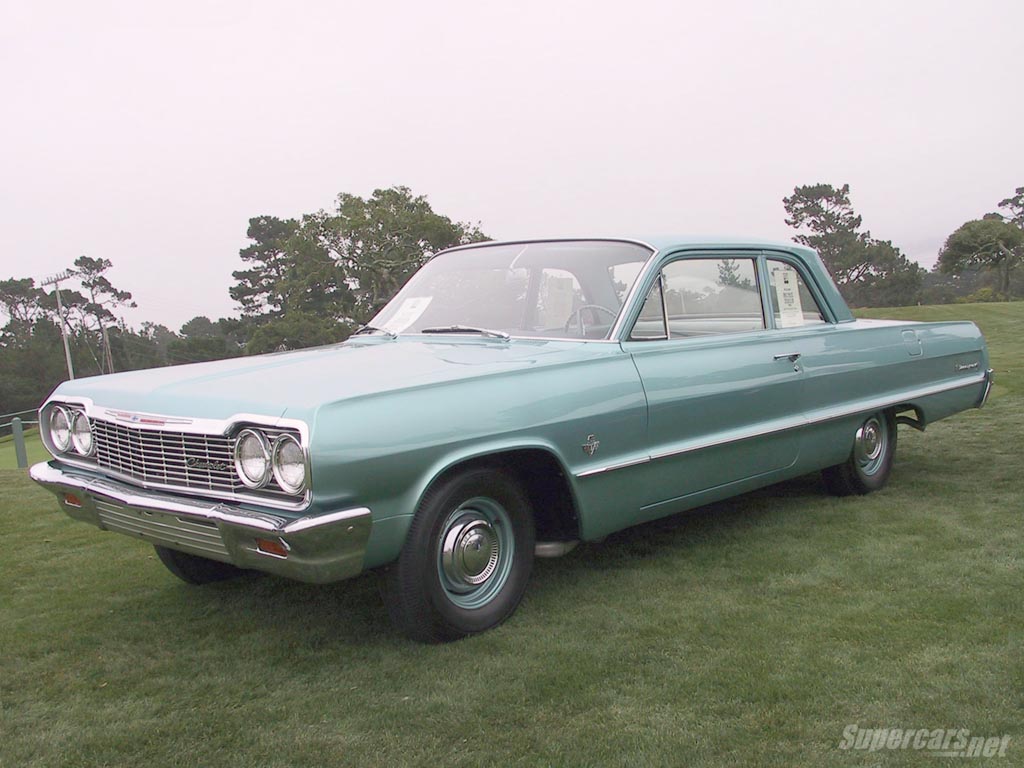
(466, 560)
(870, 462)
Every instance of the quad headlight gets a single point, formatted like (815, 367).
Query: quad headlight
(70, 430)
(252, 458)
(60, 429)
(81, 434)
(259, 458)
(289, 463)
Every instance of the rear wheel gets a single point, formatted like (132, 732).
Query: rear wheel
(870, 462)
(466, 560)
(193, 569)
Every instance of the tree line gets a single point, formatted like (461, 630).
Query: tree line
(314, 279)
(978, 262)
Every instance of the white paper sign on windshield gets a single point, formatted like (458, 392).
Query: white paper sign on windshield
(407, 314)
(791, 311)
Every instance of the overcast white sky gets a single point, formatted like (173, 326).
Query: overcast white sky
(150, 135)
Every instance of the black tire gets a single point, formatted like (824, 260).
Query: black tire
(466, 560)
(870, 462)
(193, 569)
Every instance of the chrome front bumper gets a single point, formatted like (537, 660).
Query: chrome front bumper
(320, 548)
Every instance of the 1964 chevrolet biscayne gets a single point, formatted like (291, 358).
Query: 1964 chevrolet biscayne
(512, 400)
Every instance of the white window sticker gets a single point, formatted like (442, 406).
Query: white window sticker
(791, 311)
(408, 313)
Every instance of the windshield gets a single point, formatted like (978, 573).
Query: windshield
(572, 289)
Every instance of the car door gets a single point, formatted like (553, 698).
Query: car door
(723, 391)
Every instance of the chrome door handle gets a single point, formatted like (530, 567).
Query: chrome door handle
(791, 356)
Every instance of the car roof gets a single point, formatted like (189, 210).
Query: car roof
(666, 242)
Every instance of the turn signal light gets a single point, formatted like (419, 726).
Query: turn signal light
(71, 500)
(274, 547)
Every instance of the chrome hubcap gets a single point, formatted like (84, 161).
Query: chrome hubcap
(475, 552)
(869, 445)
(470, 552)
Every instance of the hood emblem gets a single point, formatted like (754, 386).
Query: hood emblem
(144, 418)
(590, 447)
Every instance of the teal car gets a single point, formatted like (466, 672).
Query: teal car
(512, 400)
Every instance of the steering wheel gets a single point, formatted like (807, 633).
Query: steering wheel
(577, 316)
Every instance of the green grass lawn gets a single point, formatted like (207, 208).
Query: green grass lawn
(747, 633)
(33, 448)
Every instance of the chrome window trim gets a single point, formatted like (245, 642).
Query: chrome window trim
(164, 423)
(532, 241)
(615, 334)
(818, 416)
(670, 256)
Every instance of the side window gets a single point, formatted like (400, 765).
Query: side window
(792, 303)
(711, 296)
(651, 323)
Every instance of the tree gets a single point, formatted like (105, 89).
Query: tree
(21, 301)
(729, 274)
(202, 339)
(295, 330)
(311, 281)
(380, 241)
(868, 272)
(1015, 205)
(994, 243)
(94, 309)
(31, 367)
(258, 288)
(988, 243)
(831, 228)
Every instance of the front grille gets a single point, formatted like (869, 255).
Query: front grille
(167, 458)
(175, 459)
(196, 536)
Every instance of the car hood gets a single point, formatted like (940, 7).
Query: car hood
(297, 383)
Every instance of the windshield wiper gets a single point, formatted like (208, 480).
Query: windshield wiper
(374, 329)
(468, 329)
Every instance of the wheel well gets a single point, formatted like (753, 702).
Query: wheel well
(542, 478)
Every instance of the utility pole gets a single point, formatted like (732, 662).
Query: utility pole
(56, 281)
(106, 348)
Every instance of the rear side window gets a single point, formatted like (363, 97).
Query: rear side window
(792, 302)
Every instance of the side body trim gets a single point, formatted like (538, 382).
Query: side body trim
(814, 417)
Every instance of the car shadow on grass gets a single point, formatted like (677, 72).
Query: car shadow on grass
(352, 613)
(702, 526)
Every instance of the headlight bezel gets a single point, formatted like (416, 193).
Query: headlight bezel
(280, 442)
(264, 445)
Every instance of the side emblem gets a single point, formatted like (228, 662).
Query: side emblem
(590, 447)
